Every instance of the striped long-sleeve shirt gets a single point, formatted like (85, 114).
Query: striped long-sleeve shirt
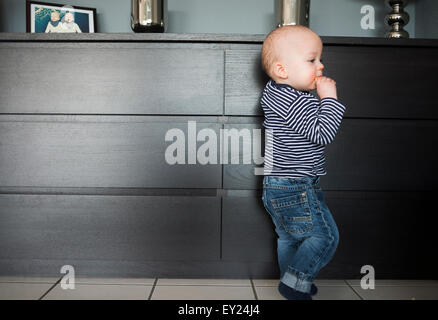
(298, 127)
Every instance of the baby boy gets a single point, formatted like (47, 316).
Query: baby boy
(299, 127)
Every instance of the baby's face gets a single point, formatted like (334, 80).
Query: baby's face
(54, 16)
(301, 59)
(69, 17)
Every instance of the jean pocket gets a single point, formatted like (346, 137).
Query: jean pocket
(294, 212)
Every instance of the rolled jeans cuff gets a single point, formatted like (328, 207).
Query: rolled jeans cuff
(299, 284)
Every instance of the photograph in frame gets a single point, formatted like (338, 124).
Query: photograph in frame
(43, 17)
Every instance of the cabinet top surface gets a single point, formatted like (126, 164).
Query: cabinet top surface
(201, 37)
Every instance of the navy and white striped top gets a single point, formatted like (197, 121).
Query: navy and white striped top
(298, 127)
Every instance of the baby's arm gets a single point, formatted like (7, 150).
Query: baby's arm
(316, 120)
(78, 30)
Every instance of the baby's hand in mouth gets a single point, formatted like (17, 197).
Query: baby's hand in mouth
(326, 87)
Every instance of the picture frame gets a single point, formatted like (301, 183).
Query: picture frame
(44, 17)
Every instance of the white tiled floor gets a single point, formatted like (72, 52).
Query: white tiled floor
(207, 289)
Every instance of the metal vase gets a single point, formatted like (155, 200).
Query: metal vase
(149, 15)
(397, 19)
(292, 12)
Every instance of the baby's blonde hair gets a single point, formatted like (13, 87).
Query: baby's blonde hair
(270, 52)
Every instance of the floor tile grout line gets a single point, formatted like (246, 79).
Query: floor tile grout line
(205, 285)
(51, 288)
(253, 289)
(153, 288)
(26, 282)
(351, 287)
(113, 284)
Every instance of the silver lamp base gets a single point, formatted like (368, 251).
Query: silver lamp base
(397, 19)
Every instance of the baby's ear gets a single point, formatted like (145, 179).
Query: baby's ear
(279, 70)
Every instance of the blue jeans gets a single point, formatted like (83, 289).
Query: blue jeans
(307, 234)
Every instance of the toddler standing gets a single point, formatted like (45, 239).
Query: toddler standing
(300, 126)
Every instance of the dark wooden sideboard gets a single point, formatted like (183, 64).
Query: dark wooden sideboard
(84, 181)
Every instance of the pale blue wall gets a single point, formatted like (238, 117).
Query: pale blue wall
(327, 17)
(426, 23)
